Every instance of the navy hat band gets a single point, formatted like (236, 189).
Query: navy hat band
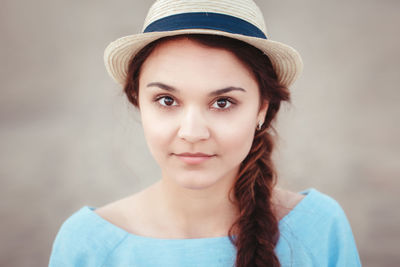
(205, 20)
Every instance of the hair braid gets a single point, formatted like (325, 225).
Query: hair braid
(257, 225)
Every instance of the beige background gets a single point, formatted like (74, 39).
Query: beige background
(68, 137)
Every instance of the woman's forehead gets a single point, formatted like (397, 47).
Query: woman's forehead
(182, 48)
(182, 62)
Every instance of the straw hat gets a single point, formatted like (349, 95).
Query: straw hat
(239, 19)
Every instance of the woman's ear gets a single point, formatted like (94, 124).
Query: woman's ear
(263, 111)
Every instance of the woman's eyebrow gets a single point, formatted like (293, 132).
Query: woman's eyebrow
(213, 93)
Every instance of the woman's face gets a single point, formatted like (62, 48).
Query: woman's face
(196, 99)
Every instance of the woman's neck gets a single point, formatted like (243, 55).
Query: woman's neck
(192, 213)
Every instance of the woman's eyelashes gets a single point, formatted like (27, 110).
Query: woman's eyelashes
(165, 101)
(222, 103)
(219, 104)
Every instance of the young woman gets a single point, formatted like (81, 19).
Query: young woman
(208, 86)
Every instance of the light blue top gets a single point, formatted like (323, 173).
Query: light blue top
(315, 233)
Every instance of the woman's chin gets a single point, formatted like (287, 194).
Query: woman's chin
(195, 184)
(193, 181)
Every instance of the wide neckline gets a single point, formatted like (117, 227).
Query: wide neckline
(90, 210)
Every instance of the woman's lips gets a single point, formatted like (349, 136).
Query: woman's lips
(194, 158)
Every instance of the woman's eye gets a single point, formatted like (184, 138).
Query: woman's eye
(166, 101)
(222, 103)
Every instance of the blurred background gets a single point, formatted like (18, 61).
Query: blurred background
(69, 138)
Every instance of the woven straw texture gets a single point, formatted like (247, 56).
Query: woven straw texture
(244, 9)
(285, 60)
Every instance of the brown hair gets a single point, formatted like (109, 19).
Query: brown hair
(256, 228)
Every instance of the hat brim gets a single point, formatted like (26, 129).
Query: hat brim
(285, 60)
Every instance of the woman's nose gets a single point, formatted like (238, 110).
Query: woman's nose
(193, 126)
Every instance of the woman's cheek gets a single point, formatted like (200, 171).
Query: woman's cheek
(157, 133)
(236, 136)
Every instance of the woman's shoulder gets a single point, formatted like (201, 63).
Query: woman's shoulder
(284, 201)
(318, 226)
(308, 205)
(83, 237)
(315, 210)
(320, 206)
(132, 214)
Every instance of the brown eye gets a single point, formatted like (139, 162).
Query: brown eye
(166, 101)
(222, 103)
